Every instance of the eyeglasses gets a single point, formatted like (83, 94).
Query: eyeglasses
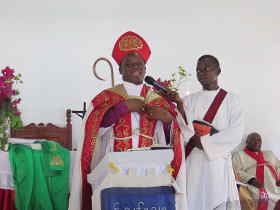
(206, 70)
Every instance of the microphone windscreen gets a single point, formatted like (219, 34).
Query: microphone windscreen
(149, 80)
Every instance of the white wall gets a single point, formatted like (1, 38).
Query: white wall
(54, 43)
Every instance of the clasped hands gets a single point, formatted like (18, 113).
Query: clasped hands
(255, 183)
(152, 112)
(195, 141)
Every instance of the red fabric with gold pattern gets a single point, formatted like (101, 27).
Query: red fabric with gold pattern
(123, 129)
(130, 42)
(147, 126)
(176, 133)
(102, 103)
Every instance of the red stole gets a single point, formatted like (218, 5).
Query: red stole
(261, 163)
(213, 109)
(102, 103)
(210, 114)
(123, 130)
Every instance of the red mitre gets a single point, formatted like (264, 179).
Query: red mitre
(130, 42)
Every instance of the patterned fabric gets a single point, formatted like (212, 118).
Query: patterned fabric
(41, 177)
(138, 198)
(130, 42)
(122, 130)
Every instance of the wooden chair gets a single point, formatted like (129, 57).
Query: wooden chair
(62, 135)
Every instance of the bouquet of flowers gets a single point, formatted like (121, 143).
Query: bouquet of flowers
(9, 113)
(177, 79)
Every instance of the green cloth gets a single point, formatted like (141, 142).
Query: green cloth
(41, 177)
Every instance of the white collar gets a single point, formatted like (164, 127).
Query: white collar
(132, 89)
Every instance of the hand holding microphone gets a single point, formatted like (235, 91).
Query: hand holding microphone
(164, 91)
(168, 94)
(151, 81)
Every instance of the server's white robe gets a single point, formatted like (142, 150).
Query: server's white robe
(210, 178)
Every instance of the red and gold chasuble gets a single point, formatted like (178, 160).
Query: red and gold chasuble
(123, 131)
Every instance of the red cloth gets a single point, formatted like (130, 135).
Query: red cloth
(263, 198)
(277, 206)
(102, 103)
(7, 199)
(212, 111)
(130, 42)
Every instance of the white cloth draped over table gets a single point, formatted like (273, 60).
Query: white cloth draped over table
(210, 178)
(132, 169)
(6, 176)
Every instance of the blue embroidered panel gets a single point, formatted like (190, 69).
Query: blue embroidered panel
(138, 198)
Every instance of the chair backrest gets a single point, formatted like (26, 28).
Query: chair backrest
(62, 135)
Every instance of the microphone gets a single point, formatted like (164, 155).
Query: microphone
(155, 84)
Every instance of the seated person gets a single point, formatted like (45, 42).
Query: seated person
(260, 170)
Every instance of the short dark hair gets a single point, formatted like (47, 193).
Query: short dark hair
(250, 135)
(212, 59)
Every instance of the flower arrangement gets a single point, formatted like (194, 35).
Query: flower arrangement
(177, 79)
(9, 113)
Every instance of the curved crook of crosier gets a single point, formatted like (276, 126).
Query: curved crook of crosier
(111, 69)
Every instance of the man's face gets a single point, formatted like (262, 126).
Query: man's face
(133, 69)
(207, 72)
(254, 142)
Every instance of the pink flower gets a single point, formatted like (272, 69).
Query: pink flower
(7, 93)
(17, 113)
(16, 101)
(8, 73)
(2, 82)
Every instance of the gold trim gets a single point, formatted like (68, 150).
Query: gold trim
(136, 97)
(130, 43)
(57, 161)
(120, 90)
(151, 95)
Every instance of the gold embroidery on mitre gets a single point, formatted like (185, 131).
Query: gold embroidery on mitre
(130, 43)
